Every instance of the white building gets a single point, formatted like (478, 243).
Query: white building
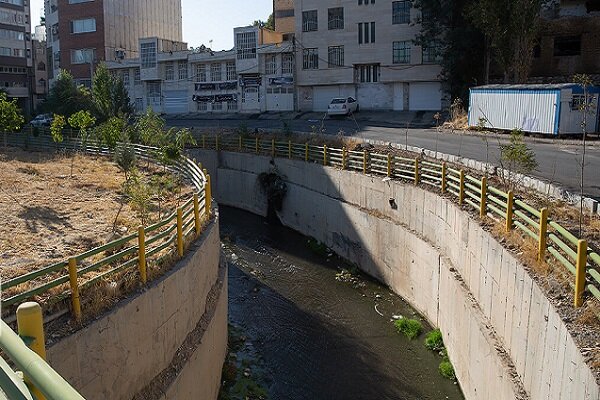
(255, 76)
(364, 49)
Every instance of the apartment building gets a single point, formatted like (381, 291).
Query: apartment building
(255, 76)
(569, 41)
(39, 87)
(15, 51)
(82, 33)
(283, 15)
(364, 49)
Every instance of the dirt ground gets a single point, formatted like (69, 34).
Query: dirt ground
(47, 215)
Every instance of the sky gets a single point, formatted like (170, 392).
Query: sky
(205, 20)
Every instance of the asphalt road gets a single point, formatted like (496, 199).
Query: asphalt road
(558, 160)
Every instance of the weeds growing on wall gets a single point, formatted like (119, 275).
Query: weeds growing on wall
(411, 328)
(434, 340)
(447, 370)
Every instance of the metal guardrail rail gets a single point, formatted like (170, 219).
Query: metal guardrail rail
(555, 243)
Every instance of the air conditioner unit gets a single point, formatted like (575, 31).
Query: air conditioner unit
(120, 54)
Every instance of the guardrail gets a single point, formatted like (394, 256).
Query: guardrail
(555, 243)
(156, 242)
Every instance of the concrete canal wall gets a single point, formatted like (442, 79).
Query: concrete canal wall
(505, 339)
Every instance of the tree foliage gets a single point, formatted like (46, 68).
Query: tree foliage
(269, 23)
(82, 120)
(11, 118)
(56, 127)
(517, 158)
(65, 97)
(149, 129)
(109, 95)
(112, 131)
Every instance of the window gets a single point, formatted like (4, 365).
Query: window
(11, 35)
(83, 56)
(148, 54)
(153, 93)
(310, 21)
(365, 2)
(79, 1)
(125, 78)
(246, 45)
(567, 46)
(401, 12)
(335, 56)
(310, 59)
(287, 63)
(137, 79)
(169, 71)
(270, 64)
(366, 32)
(401, 52)
(217, 106)
(432, 53)
(5, 51)
(231, 72)
(201, 73)
(139, 104)
(183, 71)
(335, 18)
(15, 2)
(202, 106)
(83, 25)
(215, 72)
(367, 73)
(578, 102)
(232, 105)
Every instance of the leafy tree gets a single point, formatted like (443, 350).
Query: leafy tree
(56, 128)
(125, 156)
(269, 24)
(65, 97)
(11, 118)
(112, 131)
(517, 158)
(149, 129)
(109, 95)
(81, 120)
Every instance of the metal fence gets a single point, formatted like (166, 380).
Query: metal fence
(555, 243)
(72, 276)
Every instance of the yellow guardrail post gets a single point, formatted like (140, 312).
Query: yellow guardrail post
(240, 141)
(256, 145)
(207, 195)
(543, 234)
(142, 254)
(483, 201)
(75, 301)
(217, 142)
(30, 325)
(444, 177)
(389, 165)
(461, 191)
(180, 232)
(324, 154)
(197, 224)
(344, 157)
(580, 272)
(290, 149)
(510, 206)
(417, 177)
(306, 152)
(273, 148)
(364, 162)
(204, 141)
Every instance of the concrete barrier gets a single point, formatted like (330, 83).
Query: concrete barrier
(503, 335)
(167, 342)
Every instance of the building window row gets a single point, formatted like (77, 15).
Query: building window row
(10, 52)
(365, 2)
(13, 17)
(12, 70)
(9, 34)
(83, 56)
(79, 1)
(14, 2)
(366, 32)
(83, 25)
(367, 73)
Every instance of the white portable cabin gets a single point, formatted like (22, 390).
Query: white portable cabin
(549, 109)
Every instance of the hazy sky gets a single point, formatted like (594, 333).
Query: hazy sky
(205, 20)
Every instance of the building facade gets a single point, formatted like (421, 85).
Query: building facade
(364, 49)
(256, 76)
(15, 51)
(39, 87)
(82, 33)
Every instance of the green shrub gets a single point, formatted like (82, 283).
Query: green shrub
(411, 328)
(447, 370)
(434, 340)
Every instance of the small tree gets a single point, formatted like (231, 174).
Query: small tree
(11, 118)
(111, 131)
(518, 159)
(81, 120)
(149, 129)
(56, 128)
(109, 95)
(66, 97)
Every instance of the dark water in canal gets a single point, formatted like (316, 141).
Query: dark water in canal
(308, 335)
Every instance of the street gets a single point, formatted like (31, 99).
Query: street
(558, 160)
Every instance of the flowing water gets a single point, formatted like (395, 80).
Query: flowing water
(303, 330)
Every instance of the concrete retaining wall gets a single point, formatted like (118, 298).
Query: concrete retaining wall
(138, 345)
(504, 337)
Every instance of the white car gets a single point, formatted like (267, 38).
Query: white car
(41, 120)
(342, 106)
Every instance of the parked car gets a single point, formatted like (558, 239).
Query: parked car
(342, 106)
(41, 120)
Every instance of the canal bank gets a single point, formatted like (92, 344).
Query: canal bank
(316, 332)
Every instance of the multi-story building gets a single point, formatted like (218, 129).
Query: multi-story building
(39, 87)
(256, 76)
(15, 51)
(82, 33)
(283, 15)
(569, 41)
(364, 49)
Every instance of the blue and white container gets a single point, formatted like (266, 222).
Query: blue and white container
(548, 109)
